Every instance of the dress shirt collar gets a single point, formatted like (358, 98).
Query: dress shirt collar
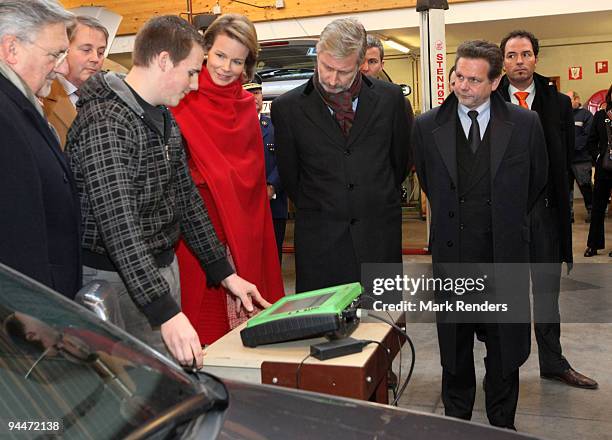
(484, 115)
(69, 88)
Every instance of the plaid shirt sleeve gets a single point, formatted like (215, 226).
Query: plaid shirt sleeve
(197, 228)
(105, 153)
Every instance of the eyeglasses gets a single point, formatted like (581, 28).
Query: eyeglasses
(59, 56)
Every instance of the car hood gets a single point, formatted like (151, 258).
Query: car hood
(268, 412)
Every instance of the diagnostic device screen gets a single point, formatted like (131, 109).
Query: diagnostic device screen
(304, 303)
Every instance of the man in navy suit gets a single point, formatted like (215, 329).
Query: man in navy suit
(39, 212)
(276, 194)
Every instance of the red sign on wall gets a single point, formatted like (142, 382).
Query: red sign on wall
(575, 72)
(601, 66)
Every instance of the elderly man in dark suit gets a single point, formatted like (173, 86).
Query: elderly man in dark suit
(342, 145)
(551, 230)
(482, 164)
(39, 220)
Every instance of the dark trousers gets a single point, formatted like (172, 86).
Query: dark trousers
(279, 233)
(459, 389)
(581, 173)
(545, 286)
(601, 194)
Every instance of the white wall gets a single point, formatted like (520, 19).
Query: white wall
(555, 61)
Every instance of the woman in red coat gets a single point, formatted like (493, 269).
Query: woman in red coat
(225, 150)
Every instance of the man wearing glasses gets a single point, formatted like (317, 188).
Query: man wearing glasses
(39, 216)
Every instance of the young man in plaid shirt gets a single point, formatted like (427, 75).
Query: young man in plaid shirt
(136, 194)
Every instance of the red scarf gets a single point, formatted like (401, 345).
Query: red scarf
(221, 127)
(341, 103)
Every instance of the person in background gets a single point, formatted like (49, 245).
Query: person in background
(598, 146)
(39, 211)
(373, 62)
(276, 193)
(550, 227)
(220, 125)
(582, 163)
(137, 197)
(452, 77)
(88, 40)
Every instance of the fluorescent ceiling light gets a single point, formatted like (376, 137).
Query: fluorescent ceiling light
(397, 46)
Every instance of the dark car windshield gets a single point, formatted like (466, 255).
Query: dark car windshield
(291, 60)
(58, 362)
(287, 60)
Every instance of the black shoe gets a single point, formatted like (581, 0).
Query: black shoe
(589, 252)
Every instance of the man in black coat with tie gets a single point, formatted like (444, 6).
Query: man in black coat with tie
(482, 165)
(551, 230)
(342, 146)
(39, 212)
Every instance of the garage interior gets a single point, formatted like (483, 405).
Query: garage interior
(571, 34)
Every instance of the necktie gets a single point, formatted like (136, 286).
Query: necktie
(522, 99)
(474, 137)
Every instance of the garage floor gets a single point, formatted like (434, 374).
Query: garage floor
(547, 409)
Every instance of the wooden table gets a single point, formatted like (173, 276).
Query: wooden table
(361, 375)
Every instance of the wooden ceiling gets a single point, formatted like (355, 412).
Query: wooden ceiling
(136, 12)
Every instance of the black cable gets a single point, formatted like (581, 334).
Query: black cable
(297, 372)
(403, 333)
(399, 330)
(399, 373)
(399, 344)
(387, 351)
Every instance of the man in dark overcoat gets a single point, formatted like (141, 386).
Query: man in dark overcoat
(551, 228)
(482, 165)
(39, 216)
(342, 146)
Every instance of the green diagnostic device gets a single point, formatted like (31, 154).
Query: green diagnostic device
(327, 312)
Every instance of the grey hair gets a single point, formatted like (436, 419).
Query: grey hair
(25, 18)
(87, 21)
(375, 42)
(343, 37)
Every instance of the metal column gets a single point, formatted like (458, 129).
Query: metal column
(433, 59)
